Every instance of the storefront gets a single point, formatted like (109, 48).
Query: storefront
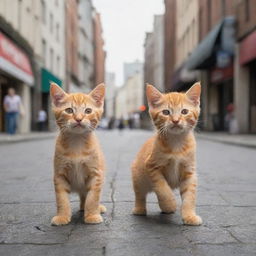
(214, 58)
(221, 96)
(16, 72)
(46, 78)
(247, 60)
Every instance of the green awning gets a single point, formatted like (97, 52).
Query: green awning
(221, 37)
(47, 77)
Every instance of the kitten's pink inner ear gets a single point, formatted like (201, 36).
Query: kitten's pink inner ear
(98, 94)
(194, 93)
(57, 94)
(153, 95)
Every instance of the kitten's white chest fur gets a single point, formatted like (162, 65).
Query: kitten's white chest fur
(172, 173)
(78, 175)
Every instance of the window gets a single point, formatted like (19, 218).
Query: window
(51, 22)
(44, 51)
(58, 65)
(57, 32)
(51, 59)
(43, 8)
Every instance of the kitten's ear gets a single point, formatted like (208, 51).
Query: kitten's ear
(194, 93)
(57, 95)
(98, 94)
(153, 95)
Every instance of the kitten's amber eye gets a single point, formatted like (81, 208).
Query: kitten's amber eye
(69, 110)
(166, 112)
(88, 111)
(184, 111)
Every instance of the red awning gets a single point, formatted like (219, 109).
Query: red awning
(14, 61)
(248, 49)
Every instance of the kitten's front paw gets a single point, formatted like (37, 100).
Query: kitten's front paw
(93, 219)
(60, 220)
(193, 220)
(139, 211)
(103, 209)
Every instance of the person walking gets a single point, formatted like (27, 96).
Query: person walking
(12, 107)
(42, 120)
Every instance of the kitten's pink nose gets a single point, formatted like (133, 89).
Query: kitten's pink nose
(78, 120)
(175, 121)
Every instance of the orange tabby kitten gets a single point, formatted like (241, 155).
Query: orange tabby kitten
(78, 162)
(167, 160)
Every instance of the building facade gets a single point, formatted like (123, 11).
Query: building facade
(52, 59)
(86, 45)
(19, 43)
(169, 42)
(132, 68)
(129, 98)
(110, 95)
(245, 67)
(72, 41)
(99, 52)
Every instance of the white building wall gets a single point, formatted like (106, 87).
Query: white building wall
(53, 34)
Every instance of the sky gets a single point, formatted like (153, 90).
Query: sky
(125, 23)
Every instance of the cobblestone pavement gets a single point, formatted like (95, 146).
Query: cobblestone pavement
(226, 202)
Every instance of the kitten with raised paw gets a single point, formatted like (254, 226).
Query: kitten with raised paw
(167, 160)
(78, 161)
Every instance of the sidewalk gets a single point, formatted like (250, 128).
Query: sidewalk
(244, 140)
(5, 138)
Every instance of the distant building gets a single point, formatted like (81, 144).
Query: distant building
(132, 68)
(149, 59)
(86, 45)
(129, 97)
(110, 94)
(72, 41)
(99, 52)
(169, 42)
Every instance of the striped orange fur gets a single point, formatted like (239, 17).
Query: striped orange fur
(167, 160)
(78, 162)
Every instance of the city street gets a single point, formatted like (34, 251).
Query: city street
(226, 203)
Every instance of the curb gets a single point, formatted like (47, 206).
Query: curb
(12, 140)
(227, 141)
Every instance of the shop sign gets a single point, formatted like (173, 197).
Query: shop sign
(15, 61)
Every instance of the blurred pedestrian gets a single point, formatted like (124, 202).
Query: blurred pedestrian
(121, 124)
(42, 120)
(111, 123)
(230, 120)
(12, 106)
